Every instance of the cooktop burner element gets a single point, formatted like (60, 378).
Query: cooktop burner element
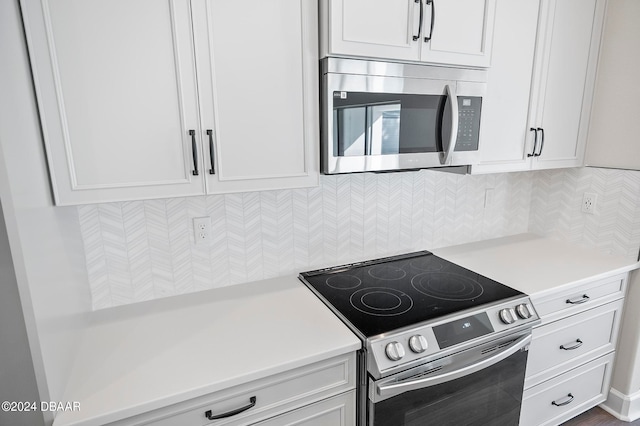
(387, 272)
(383, 295)
(381, 301)
(447, 286)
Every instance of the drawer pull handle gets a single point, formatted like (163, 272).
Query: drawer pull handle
(567, 401)
(575, 346)
(578, 300)
(209, 415)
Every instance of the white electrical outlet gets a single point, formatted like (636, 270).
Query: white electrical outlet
(202, 230)
(589, 202)
(488, 197)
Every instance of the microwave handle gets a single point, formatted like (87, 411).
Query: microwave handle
(453, 104)
(387, 391)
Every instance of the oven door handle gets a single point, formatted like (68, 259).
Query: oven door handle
(385, 391)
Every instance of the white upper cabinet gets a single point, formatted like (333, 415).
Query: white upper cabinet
(456, 32)
(127, 92)
(117, 96)
(553, 84)
(259, 112)
(570, 42)
(505, 108)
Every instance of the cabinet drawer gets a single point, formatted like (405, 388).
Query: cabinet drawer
(580, 298)
(564, 344)
(573, 392)
(337, 411)
(273, 396)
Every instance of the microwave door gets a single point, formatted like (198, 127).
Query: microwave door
(381, 131)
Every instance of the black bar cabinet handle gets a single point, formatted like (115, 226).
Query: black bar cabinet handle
(431, 3)
(576, 301)
(209, 415)
(194, 151)
(560, 404)
(212, 170)
(417, 37)
(541, 142)
(535, 142)
(572, 347)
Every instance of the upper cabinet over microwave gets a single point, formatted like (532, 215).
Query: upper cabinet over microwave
(454, 32)
(153, 99)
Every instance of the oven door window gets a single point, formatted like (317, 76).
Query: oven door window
(388, 124)
(489, 397)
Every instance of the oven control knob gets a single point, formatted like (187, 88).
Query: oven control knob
(523, 311)
(508, 316)
(394, 351)
(418, 343)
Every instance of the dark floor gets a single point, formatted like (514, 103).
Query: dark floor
(598, 417)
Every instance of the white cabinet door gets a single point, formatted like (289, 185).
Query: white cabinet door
(536, 117)
(569, 42)
(258, 81)
(117, 97)
(337, 411)
(505, 139)
(458, 32)
(373, 28)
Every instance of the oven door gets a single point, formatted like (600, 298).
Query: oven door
(480, 386)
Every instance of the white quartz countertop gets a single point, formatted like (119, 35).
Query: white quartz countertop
(146, 356)
(535, 265)
(149, 355)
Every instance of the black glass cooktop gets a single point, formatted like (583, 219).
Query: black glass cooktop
(386, 294)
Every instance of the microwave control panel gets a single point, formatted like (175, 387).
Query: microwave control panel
(469, 108)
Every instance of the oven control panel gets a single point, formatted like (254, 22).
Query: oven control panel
(396, 351)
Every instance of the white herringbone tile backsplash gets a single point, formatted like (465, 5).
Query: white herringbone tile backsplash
(144, 250)
(614, 228)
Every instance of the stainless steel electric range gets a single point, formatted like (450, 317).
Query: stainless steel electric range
(442, 345)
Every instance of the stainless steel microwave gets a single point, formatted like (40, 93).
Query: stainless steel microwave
(385, 116)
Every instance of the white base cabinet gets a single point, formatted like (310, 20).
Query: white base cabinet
(318, 394)
(162, 99)
(567, 395)
(337, 411)
(538, 103)
(571, 355)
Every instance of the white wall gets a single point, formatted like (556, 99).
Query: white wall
(17, 377)
(45, 241)
(613, 133)
(624, 398)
